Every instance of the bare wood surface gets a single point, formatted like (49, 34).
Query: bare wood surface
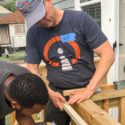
(74, 115)
(106, 105)
(102, 87)
(122, 111)
(107, 86)
(93, 114)
(108, 94)
(102, 95)
(72, 122)
(112, 103)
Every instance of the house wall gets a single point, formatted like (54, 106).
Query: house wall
(4, 35)
(16, 40)
(64, 4)
(109, 27)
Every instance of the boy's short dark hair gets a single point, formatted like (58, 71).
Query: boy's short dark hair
(28, 89)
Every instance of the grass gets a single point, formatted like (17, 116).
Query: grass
(16, 56)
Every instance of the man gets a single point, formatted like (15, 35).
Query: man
(66, 41)
(22, 92)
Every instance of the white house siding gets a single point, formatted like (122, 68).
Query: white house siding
(108, 27)
(64, 4)
(17, 40)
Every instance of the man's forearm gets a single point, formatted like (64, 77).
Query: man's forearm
(101, 71)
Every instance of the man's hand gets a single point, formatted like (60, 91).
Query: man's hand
(79, 96)
(57, 99)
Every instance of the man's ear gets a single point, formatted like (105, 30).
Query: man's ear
(15, 105)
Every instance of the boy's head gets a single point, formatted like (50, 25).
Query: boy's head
(28, 93)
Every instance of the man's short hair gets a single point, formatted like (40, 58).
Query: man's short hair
(28, 89)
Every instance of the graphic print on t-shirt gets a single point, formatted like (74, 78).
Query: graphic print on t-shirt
(62, 51)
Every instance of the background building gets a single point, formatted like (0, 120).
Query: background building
(12, 29)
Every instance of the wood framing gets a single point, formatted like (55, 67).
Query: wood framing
(93, 114)
(91, 111)
(74, 115)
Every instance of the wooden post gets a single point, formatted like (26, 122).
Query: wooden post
(122, 111)
(106, 105)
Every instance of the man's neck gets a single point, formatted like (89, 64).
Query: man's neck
(59, 15)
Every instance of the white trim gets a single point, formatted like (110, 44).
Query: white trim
(90, 3)
(77, 5)
(116, 63)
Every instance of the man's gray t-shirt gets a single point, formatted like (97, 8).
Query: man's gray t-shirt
(7, 69)
(67, 49)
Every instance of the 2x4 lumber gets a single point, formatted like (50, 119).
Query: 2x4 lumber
(74, 115)
(112, 103)
(102, 95)
(106, 105)
(72, 122)
(108, 94)
(93, 114)
(102, 87)
(122, 111)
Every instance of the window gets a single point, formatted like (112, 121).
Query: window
(94, 11)
(20, 29)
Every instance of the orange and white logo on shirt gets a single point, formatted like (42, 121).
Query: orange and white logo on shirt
(57, 48)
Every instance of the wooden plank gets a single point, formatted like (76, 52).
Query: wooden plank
(73, 114)
(69, 92)
(122, 111)
(108, 94)
(93, 114)
(107, 86)
(72, 122)
(106, 105)
(102, 87)
(102, 95)
(112, 103)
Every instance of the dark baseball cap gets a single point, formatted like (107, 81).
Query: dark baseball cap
(32, 10)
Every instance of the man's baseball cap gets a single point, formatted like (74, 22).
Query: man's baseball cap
(32, 10)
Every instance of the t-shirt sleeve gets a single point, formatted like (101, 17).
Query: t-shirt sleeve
(92, 32)
(32, 54)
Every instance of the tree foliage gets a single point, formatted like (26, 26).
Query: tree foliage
(10, 5)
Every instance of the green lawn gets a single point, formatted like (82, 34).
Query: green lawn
(16, 56)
